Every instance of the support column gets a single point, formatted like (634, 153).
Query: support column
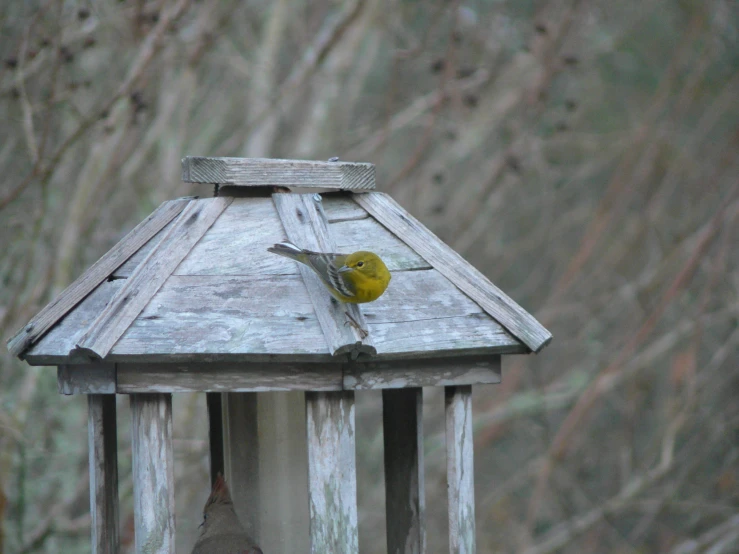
(332, 472)
(459, 469)
(153, 473)
(103, 453)
(405, 505)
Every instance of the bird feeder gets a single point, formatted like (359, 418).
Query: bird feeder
(191, 301)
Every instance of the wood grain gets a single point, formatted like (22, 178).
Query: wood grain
(54, 347)
(469, 280)
(252, 318)
(227, 377)
(460, 470)
(153, 473)
(191, 225)
(127, 269)
(440, 372)
(96, 274)
(86, 379)
(237, 242)
(405, 504)
(262, 377)
(332, 472)
(261, 172)
(102, 440)
(306, 225)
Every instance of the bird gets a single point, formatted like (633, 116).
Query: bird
(221, 531)
(351, 278)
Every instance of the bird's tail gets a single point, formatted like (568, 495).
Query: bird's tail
(289, 250)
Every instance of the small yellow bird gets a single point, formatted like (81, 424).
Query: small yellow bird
(353, 278)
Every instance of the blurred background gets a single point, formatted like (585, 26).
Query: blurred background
(584, 154)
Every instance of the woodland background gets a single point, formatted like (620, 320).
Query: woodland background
(584, 154)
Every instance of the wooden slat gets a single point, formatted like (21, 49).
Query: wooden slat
(86, 379)
(103, 462)
(460, 272)
(237, 242)
(192, 224)
(405, 505)
(261, 377)
(306, 225)
(261, 172)
(153, 473)
(54, 347)
(127, 269)
(332, 472)
(459, 464)
(96, 274)
(247, 318)
(368, 234)
(227, 377)
(215, 434)
(440, 372)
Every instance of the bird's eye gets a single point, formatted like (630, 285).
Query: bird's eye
(360, 264)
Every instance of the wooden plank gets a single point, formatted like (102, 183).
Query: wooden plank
(153, 473)
(472, 282)
(241, 453)
(237, 242)
(96, 274)
(459, 469)
(215, 435)
(368, 234)
(306, 225)
(102, 440)
(86, 379)
(459, 336)
(341, 207)
(440, 372)
(261, 172)
(212, 315)
(262, 377)
(227, 377)
(127, 269)
(405, 504)
(332, 472)
(193, 222)
(54, 347)
(247, 319)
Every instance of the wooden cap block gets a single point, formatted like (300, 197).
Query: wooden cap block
(268, 172)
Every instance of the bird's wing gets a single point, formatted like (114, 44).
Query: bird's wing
(327, 266)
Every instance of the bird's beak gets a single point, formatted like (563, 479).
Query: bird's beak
(344, 269)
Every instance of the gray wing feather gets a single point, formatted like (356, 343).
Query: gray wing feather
(326, 268)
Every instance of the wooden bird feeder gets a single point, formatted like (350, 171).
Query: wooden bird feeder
(190, 300)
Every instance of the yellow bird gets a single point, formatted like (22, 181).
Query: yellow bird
(353, 278)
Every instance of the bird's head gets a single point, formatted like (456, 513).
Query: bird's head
(366, 264)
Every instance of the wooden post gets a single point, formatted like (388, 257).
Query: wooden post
(215, 434)
(103, 443)
(459, 464)
(332, 472)
(405, 504)
(153, 473)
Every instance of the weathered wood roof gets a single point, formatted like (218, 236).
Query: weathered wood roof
(194, 282)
